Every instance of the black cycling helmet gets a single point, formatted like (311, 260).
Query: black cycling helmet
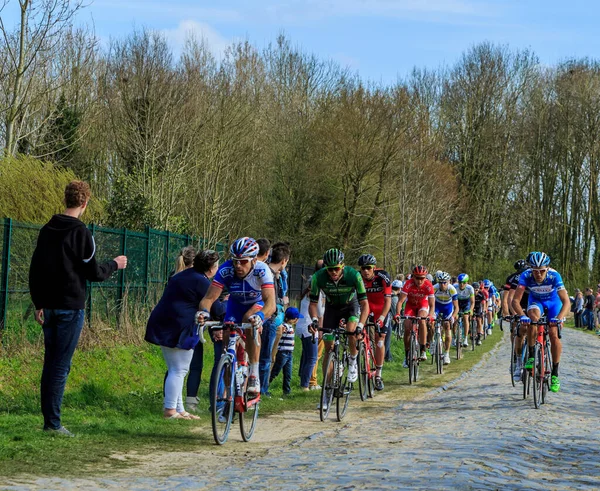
(521, 265)
(367, 260)
(333, 257)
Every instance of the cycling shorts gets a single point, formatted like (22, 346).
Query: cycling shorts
(236, 311)
(446, 309)
(464, 305)
(551, 306)
(478, 308)
(416, 310)
(333, 316)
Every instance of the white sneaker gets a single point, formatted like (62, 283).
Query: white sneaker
(447, 359)
(465, 343)
(352, 372)
(315, 387)
(517, 374)
(489, 332)
(253, 386)
(405, 364)
(423, 356)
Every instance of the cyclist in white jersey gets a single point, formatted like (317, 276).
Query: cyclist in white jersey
(466, 300)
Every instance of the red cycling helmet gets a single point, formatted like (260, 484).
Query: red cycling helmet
(419, 270)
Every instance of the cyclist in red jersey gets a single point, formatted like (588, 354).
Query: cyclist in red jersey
(379, 294)
(420, 301)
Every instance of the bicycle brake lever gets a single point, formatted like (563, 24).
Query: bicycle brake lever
(201, 333)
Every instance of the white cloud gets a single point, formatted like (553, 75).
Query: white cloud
(201, 30)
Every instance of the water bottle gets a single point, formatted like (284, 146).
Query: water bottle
(231, 345)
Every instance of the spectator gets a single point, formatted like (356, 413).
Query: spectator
(264, 250)
(588, 314)
(285, 353)
(308, 359)
(64, 258)
(396, 287)
(279, 258)
(578, 309)
(597, 306)
(314, 384)
(185, 259)
(173, 314)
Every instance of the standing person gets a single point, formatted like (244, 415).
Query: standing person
(588, 314)
(185, 259)
(280, 255)
(174, 314)
(308, 360)
(578, 310)
(264, 250)
(314, 384)
(64, 258)
(285, 353)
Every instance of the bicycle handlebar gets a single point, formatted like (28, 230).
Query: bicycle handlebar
(219, 326)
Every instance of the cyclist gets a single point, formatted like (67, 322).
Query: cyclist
(251, 297)
(378, 285)
(512, 282)
(345, 298)
(466, 299)
(420, 301)
(491, 303)
(547, 294)
(446, 304)
(479, 309)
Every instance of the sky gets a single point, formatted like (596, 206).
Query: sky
(380, 39)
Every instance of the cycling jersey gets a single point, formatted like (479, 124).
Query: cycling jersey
(378, 289)
(464, 297)
(512, 282)
(444, 297)
(339, 294)
(243, 292)
(417, 298)
(544, 295)
(481, 298)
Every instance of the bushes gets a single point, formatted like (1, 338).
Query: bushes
(32, 191)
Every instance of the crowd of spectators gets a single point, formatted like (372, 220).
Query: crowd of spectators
(585, 306)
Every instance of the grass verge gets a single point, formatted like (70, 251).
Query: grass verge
(113, 404)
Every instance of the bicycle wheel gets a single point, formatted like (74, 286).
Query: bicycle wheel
(538, 376)
(328, 386)
(411, 359)
(473, 335)
(344, 389)
(370, 370)
(439, 355)
(363, 375)
(513, 358)
(248, 419)
(548, 371)
(459, 339)
(222, 400)
(415, 353)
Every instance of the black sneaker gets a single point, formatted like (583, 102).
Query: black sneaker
(378, 383)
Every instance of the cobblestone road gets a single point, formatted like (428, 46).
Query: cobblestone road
(474, 435)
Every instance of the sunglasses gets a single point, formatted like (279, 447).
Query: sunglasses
(335, 269)
(462, 282)
(366, 268)
(539, 270)
(241, 261)
(443, 282)
(419, 277)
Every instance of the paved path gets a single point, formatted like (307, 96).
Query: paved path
(463, 438)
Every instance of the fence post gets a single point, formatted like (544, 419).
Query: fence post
(92, 228)
(7, 235)
(147, 279)
(166, 268)
(121, 290)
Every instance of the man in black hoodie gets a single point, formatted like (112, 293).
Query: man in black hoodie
(63, 260)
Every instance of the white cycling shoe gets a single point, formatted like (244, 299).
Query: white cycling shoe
(352, 372)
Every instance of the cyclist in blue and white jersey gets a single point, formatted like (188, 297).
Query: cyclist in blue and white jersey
(466, 299)
(446, 304)
(547, 294)
(251, 297)
(493, 298)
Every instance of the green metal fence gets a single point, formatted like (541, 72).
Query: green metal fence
(151, 257)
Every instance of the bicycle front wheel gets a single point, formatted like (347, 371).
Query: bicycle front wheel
(328, 386)
(548, 371)
(538, 376)
(439, 355)
(513, 358)
(415, 357)
(222, 400)
(459, 340)
(248, 419)
(344, 388)
(370, 371)
(363, 375)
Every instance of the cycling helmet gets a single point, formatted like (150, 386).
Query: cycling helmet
(396, 284)
(419, 270)
(245, 247)
(538, 259)
(439, 275)
(445, 277)
(487, 283)
(521, 265)
(333, 257)
(429, 277)
(476, 285)
(367, 260)
(463, 278)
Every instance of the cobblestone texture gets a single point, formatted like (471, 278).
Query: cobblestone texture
(478, 434)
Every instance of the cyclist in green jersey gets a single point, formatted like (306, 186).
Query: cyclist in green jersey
(346, 298)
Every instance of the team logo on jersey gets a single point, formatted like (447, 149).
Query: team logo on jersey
(260, 272)
(227, 272)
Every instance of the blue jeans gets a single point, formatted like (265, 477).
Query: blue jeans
(308, 360)
(588, 319)
(283, 361)
(267, 340)
(62, 329)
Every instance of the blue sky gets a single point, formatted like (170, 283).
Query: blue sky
(381, 39)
